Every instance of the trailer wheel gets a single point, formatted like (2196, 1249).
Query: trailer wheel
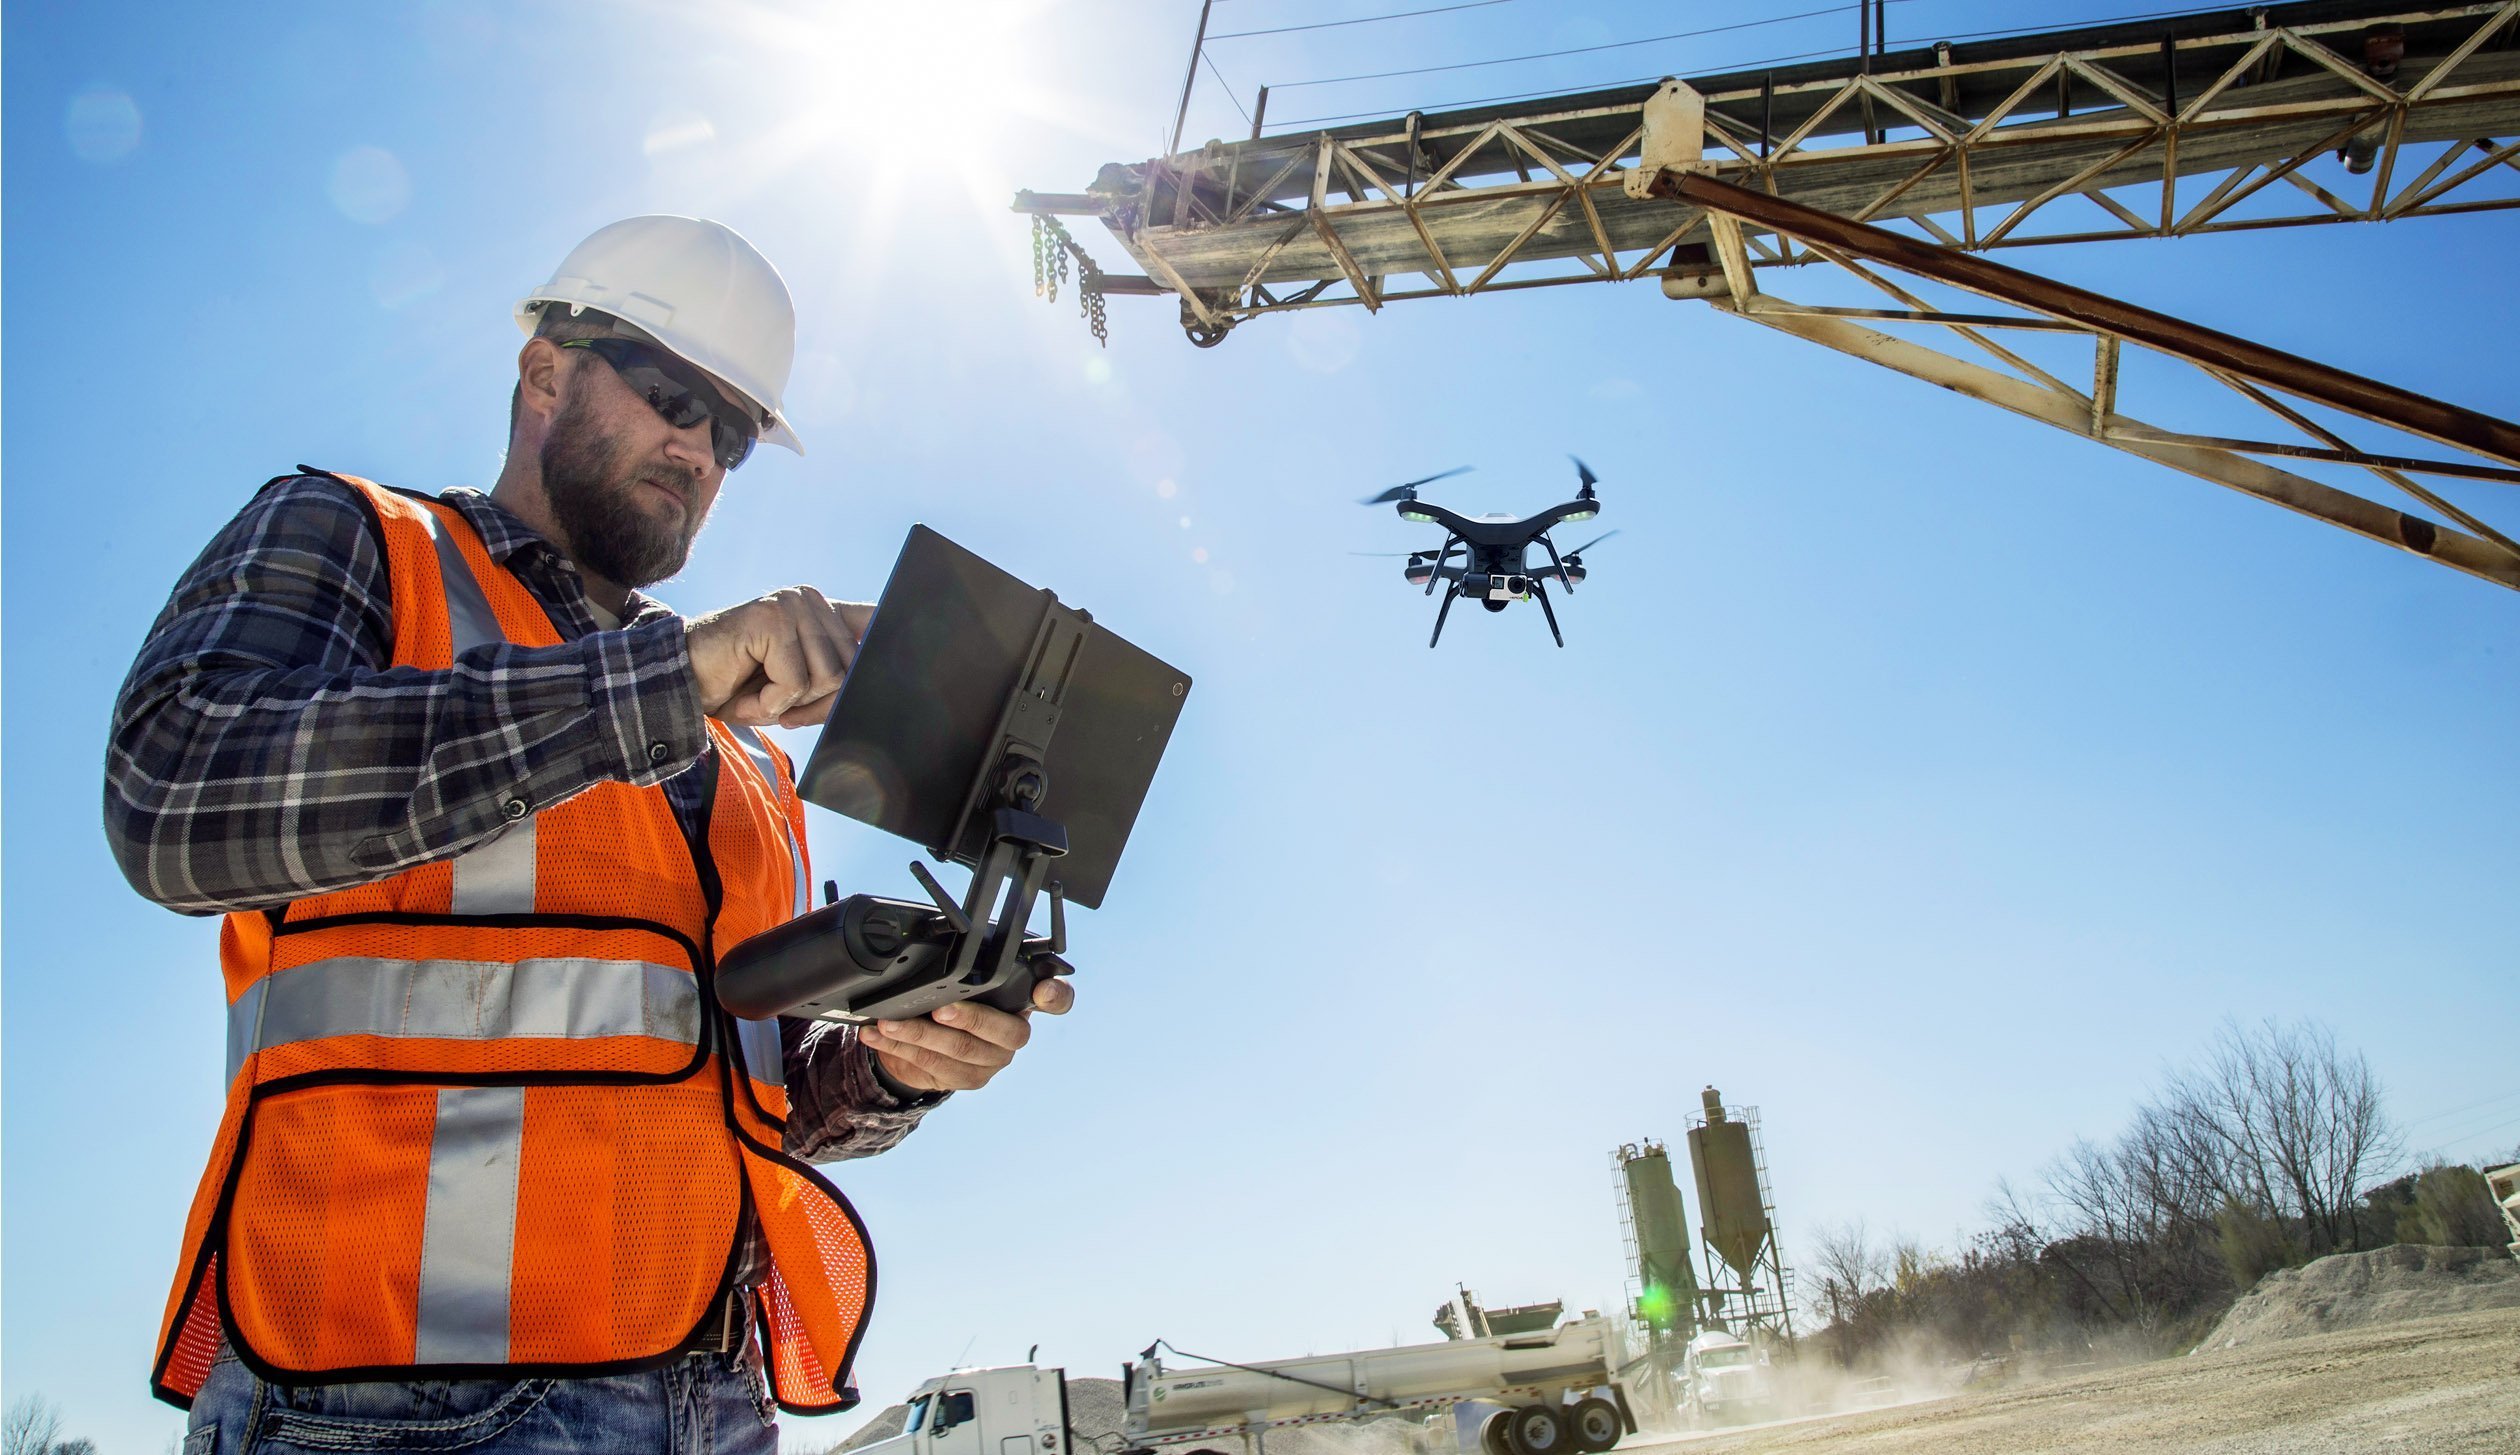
(1494, 1435)
(1537, 1430)
(1594, 1425)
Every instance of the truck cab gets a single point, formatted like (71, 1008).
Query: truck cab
(1016, 1409)
(1724, 1380)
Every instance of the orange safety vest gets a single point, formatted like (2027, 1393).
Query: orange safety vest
(485, 1117)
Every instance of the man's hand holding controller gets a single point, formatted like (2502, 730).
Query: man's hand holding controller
(777, 660)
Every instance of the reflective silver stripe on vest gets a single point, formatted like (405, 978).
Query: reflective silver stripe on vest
(245, 1025)
(495, 877)
(468, 613)
(757, 748)
(468, 1240)
(765, 1060)
(468, 1000)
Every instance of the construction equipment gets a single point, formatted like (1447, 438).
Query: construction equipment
(2504, 1184)
(1725, 1380)
(1655, 1223)
(1554, 1385)
(1461, 1317)
(1737, 1224)
(2158, 127)
(1556, 1388)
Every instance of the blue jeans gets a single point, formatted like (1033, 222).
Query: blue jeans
(702, 1404)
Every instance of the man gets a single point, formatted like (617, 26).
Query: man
(496, 1172)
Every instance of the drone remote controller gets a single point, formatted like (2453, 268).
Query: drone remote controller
(942, 733)
(867, 958)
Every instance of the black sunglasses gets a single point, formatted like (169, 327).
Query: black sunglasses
(677, 393)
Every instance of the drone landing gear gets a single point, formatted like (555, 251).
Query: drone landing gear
(1450, 592)
(1453, 593)
(1540, 593)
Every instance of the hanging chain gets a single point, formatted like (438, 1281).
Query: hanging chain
(1051, 248)
(1050, 264)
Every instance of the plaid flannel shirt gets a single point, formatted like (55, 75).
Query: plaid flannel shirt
(264, 748)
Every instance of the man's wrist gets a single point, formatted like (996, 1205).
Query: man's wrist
(647, 700)
(908, 1096)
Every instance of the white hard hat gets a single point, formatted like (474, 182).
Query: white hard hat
(700, 290)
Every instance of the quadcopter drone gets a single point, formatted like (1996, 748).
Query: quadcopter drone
(1494, 573)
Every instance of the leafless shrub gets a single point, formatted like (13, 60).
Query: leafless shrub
(30, 1427)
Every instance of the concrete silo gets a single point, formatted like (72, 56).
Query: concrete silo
(1748, 1288)
(1658, 1244)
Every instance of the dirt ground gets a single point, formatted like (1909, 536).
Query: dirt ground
(2433, 1385)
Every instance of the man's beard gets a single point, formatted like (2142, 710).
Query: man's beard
(591, 483)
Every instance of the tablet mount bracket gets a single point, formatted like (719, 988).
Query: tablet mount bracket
(865, 958)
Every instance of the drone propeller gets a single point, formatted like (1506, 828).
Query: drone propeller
(1588, 545)
(1409, 491)
(1412, 555)
(1584, 473)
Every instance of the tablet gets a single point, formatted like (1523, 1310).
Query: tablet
(920, 717)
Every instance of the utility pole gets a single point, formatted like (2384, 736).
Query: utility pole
(1189, 79)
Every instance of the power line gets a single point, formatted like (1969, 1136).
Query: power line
(1577, 50)
(1734, 66)
(2454, 1111)
(1360, 20)
(2471, 1134)
(1221, 81)
(2076, 24)
(1558, 90)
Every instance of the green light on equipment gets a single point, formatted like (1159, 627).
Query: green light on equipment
(1655, 1305)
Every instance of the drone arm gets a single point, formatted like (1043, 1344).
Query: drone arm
(1560, 566)
(1440, 557)
(1453, 521)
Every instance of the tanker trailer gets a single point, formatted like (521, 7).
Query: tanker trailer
(1556, 1387)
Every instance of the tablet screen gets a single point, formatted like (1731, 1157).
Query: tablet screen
(909, 730)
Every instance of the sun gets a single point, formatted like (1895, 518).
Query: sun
(912, 96)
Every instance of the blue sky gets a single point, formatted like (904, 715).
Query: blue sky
(1923, 778)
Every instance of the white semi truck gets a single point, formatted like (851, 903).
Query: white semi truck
(1724, 1380)
(1554, 1388)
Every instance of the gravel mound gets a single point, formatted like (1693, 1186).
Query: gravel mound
(2354, 1290)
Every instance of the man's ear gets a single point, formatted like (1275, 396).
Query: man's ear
(539, 366)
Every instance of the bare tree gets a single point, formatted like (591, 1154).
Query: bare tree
(30, 1427)
(2278, 1120)
(1848, 1266)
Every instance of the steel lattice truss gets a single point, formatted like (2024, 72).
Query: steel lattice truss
(1983, 354)
(2285, 116)
(1893, 171)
